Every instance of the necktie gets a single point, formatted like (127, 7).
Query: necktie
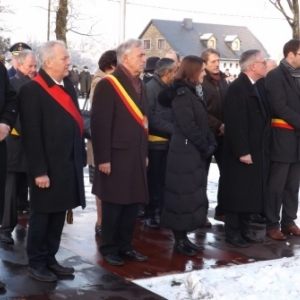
(259, 97)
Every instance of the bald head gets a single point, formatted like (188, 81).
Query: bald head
(271, 64)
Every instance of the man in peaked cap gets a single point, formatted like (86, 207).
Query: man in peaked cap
(150, 68)
(15, 50)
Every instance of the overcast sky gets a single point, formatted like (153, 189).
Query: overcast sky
(29, 20)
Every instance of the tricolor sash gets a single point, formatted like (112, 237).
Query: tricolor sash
(63, 99)
(281, 124)
(129, 103)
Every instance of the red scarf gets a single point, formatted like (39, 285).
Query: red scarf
(62, 98)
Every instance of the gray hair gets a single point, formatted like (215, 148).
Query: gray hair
(23, 54)
(247, 58)
(47, 51)
(164, 65)
(126, 48)
(174, 52)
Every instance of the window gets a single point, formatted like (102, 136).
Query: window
(212, 43)
(230, 65)
(161, 44)
(237, 65)
(147, 44)
(236, 45)
(225, 65)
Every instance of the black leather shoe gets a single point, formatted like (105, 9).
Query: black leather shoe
(113, 259)
(193, 246)
(237, 241)
(257, 218)
(6, 238)
(2, 285)
(58, 269)
(252, 238)
(41, 274)
(181, 247)
(151, 223)
(133, 255)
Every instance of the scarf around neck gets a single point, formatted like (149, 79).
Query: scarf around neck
(295, 73)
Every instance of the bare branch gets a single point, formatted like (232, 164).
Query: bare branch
(278, 5)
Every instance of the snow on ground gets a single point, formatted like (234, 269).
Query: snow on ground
(268, 280)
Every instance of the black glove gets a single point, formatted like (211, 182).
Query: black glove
(209, 153)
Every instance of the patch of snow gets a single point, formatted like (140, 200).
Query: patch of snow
(267, 280)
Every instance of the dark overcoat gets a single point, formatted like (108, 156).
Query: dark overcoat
(53, 146)
(85, 81)
(247, 131)
(284, 101)
(119, 139)
(186, 177)
(16, 161)
(8, 115)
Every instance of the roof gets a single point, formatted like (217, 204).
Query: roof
(187, 41)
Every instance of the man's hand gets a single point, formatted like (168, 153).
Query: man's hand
(4, 131)
(147, 162)
(42, 181)
(105, 168)
(246, 159)
(222, 129)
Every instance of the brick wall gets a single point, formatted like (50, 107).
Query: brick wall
(153, 34)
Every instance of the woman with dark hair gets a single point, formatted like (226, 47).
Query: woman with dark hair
(107, 63)
(192, 142)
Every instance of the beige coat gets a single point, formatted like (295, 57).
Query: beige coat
(97, 77)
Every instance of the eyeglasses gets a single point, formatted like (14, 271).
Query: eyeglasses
(263, 62)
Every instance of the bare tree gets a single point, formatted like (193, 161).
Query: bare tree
(290, 10)
(62, 20)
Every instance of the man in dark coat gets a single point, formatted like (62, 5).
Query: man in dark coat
(8, 117)
(150, 68)
(160, 131)
(15, 49)
(215, 85)
(16, 189)
(74, 77)
(119, 135)
(246, 148)
(283, 87)
(52, 138)
(85, 82)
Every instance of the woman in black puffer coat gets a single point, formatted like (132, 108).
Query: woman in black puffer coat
(192, 142)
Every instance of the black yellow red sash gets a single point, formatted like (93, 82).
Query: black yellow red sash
(281, 124)
(129, 103)
(63, 99)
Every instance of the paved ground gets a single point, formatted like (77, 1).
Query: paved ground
(94, 279)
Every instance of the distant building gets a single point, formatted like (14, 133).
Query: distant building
(188, 38)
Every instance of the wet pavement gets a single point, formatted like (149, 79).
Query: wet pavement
(95, 279)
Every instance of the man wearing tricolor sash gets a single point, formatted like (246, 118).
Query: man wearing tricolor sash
(119, 126)
(283, 86)
(52, 129)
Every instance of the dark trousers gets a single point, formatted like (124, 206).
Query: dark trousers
(43, 238)
(282, 192)
(236, 224)
(218, 154)
(118, 222)
(3, 164)
(16, 188)
(179, 235)
(156, 180)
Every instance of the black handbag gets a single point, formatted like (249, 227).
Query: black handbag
(86, 116)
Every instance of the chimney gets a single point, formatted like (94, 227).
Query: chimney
(187, 24)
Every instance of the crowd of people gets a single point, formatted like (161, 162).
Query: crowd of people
(152, 143)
